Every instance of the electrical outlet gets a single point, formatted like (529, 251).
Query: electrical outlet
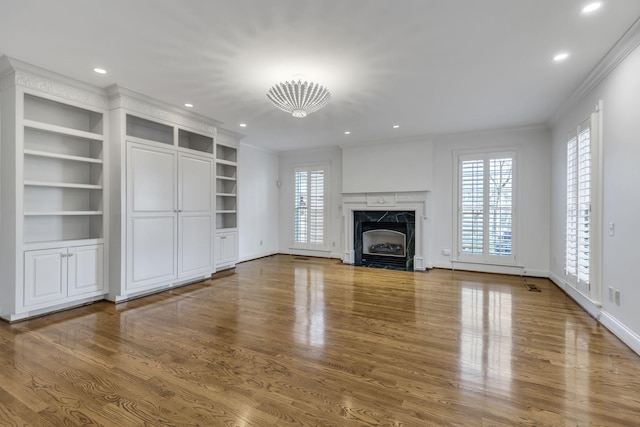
(612, 228)
(446, 252)
(611, 293)
(617, 296)
(260, 242)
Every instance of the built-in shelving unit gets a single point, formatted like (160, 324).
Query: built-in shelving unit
(226, 187)
(63, 171)
(54, 132)
(227, 145)
(164, 167)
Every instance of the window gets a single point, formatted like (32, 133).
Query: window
(578, 231)
(309, 205)
(486, 208)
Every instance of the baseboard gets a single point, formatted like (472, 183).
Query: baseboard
(606, 319)
(625, 334)
(256, 255)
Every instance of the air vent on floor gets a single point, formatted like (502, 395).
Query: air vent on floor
(532, 288)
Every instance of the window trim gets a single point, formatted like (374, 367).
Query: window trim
(324, 167)
(485, 155)
(593, 288)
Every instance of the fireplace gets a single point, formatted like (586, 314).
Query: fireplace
(384, 239)
(390, 211)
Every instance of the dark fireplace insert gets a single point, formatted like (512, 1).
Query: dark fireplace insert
(384, 239)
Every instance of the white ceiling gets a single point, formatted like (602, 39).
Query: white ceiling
(430, 66)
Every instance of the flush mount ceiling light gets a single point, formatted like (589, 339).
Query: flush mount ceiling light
(299, 98)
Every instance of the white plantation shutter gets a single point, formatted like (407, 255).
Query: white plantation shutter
(301, 218)
(578, 232)
(472, 206)
(309, 205)
(571, 246)
(486, 208)
(500, 206)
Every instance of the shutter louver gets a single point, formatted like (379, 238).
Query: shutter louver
(500, 206)
(472, 211)
(309, 207)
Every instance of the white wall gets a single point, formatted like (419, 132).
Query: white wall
(428, 164)
(257, 202)
(620, 93)
(291, 159)
(532, 190)
(389, 167)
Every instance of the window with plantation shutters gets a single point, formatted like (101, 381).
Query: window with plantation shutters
(309, 205)
(578, 224)
(485, 223)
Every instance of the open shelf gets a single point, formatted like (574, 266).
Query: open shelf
(63, 213)
(194, 141)
(61, 156)
(58, 117)
(149, 130)
(54, 228)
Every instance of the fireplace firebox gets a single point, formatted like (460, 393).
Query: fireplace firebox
(384, 239)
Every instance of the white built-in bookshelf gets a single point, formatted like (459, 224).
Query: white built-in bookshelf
(63, 172)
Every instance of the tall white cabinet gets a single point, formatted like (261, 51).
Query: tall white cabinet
(53, 180)
(163, 175)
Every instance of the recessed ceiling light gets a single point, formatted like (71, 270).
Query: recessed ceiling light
(243, 125)
(561, 56)
(396, 126)
(347, 132)
(100, 70)
(592, 7)
(188, 105)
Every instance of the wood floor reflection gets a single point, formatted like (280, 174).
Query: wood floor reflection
(312, 342)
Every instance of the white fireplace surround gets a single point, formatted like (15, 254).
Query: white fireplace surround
(417, 201)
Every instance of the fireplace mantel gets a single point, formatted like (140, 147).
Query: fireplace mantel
(417, 201)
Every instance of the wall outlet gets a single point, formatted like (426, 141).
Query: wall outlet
(446, 252)
(260, 242)
(617, 297)
(611, 293)
(612, 228)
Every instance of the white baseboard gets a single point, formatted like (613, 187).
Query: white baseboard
(625, 334)
(605, 318)
(256, 255)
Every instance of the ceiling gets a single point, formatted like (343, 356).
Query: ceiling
(429, 66)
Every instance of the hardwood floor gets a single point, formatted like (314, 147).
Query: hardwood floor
(287, 341)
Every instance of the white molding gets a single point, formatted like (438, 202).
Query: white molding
(603, 317)
(121, 97)
(617, 328)
(417, 201)
(623, 47)
(256, 255)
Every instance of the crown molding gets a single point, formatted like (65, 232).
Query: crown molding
(629, 41)
(122, 97)
(27, 76)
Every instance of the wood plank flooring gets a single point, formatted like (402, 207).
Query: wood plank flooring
(294, 342)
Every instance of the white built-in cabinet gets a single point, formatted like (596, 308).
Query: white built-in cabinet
(226, 247)
(164, 235)
(107, 193)
(54, 180)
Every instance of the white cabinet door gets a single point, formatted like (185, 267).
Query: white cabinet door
(151, 179)
(195, 215)
(152, 216)
(45, 276)
(85, 266)
(151, 250)
(226, 249)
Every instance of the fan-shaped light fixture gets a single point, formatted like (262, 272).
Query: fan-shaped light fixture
(299, 98)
